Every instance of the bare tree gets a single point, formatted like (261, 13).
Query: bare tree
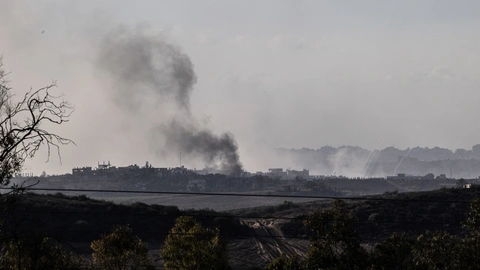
(22, 122)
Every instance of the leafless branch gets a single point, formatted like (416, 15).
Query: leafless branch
(21, 125)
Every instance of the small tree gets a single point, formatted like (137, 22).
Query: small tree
(39, 253)
(472, 221)
(189, 246)
(396, 252)
(471, 241)
(120, 250)
(334, 244)
(436, 250)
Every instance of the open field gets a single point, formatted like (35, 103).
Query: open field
(217, 203)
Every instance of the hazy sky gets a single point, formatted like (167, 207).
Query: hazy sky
(273, 73)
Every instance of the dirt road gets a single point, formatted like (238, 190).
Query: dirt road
(268, 244)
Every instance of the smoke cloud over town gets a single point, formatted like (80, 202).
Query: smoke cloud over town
(149, 80)
(148, 75)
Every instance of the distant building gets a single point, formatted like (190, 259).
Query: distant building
(103, 166)
(277, 173)
(467, 185)
(24, 174)
(104, 169)
(83, 171)
(293, 174)
(404, 176)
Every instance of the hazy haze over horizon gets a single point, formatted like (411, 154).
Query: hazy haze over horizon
(274, 74)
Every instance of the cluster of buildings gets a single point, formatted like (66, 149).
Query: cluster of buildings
(279, 173)
(404, 176)
(104, 169)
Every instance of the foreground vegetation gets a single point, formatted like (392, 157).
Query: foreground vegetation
(197, 239)
(335, 244)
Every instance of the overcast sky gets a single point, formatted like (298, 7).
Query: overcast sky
(273, 73)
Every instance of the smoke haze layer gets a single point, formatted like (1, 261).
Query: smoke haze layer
(151, 81)
(354, 161)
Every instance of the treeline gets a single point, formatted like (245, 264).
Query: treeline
(188, 246)
(81, 219)
(334, 244)
(39, 232)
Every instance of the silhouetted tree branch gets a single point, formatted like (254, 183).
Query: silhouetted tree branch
(22, 122)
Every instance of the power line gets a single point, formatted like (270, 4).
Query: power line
(300, 218)
(365, 198)
(226, 216)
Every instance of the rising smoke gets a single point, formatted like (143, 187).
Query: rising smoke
(212, 149)
(147, 73)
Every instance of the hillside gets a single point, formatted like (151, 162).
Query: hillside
(256, 235)
(379, 216)
(78, 218)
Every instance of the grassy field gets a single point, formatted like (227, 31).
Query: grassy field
(217, 203)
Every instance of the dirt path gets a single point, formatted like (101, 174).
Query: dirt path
(268, 244)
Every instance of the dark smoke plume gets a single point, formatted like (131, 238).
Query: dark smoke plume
(211, 148)
(148, 73)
